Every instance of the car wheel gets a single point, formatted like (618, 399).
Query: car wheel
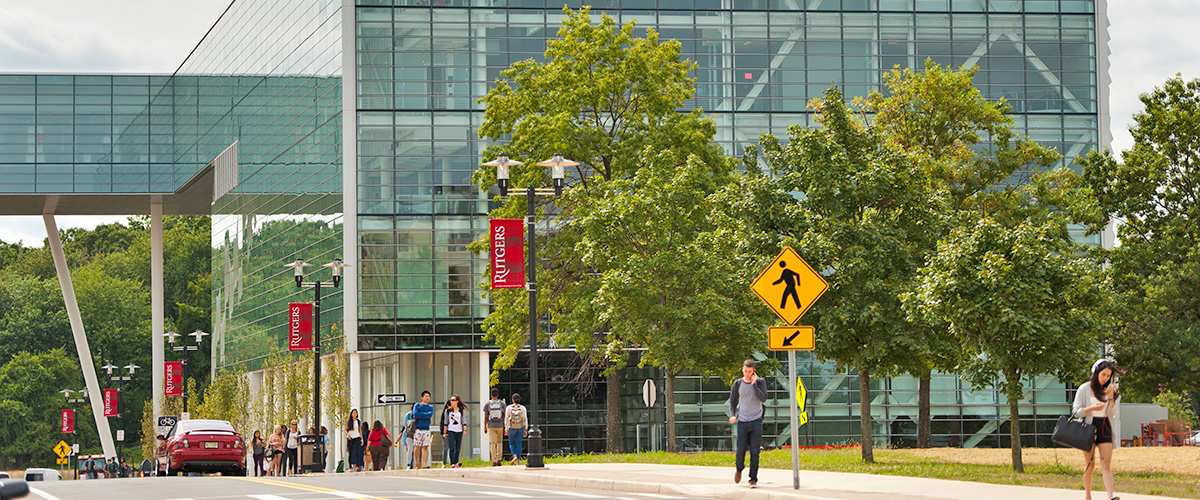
(174, 472)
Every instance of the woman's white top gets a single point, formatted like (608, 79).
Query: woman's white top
(1084, 398)
(455, 421)
(353, 433)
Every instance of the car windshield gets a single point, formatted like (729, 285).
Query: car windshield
(205, 426)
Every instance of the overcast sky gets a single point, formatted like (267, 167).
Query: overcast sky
(1151, 41)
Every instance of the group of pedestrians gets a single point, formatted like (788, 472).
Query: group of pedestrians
(417, 429)
(277, 455)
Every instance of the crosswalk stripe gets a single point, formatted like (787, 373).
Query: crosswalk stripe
(426, 494)
(580, 495)
(267, 497)
(502, 494)
(349, 494)
(654, 495)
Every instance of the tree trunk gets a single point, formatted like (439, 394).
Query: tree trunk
(924, 425)
(864, 415)
(1014, 431)
(612, 403)
(669, 404)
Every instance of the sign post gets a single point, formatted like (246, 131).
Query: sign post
(789, 286)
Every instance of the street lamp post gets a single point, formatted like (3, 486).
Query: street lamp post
(75, 429)
(120, 380)
(557, 166)
(198, 339)
(336, 266)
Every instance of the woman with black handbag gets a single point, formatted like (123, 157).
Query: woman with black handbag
(1098, 403)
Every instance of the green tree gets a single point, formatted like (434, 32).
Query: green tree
(1154, 193)
(856, 208)
(1020, 295)
(939, 116)
(34, 318)
(611, 101)
(30, 406)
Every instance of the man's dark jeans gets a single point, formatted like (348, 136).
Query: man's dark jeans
(749, 437)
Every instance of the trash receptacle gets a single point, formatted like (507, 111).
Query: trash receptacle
(309, 442)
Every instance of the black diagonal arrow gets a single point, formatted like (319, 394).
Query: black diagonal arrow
(788, 341)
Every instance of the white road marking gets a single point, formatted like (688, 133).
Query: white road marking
(267, 497)
(502, 494)
(580, 495)
(426, 494)
(654, 495)
(43, 494)
(348, 494)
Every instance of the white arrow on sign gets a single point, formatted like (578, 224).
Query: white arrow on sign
(384, 399)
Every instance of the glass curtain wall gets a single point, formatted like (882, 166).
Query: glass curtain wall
(421, 66)
(267, 79)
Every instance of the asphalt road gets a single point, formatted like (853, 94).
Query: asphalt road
(313, 488)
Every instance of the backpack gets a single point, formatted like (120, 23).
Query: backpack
(516, 418)
(495, 413)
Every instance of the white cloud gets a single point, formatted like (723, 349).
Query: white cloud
(1151, 41)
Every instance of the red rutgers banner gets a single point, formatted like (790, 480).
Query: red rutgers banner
(508, 253)
(300, 326)
(68, 421)
(111, 402)
(173, 375)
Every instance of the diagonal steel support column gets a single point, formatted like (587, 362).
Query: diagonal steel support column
(81, 344)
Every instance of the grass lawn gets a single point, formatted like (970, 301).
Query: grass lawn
(1171, 472)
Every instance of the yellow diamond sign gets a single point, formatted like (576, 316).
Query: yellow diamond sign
(789, 286)
(63, 449)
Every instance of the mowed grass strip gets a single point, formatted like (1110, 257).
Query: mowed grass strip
(1173, 472)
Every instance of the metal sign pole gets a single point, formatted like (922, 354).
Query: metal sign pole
(795, 420)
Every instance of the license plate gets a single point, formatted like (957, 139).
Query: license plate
(210, 444)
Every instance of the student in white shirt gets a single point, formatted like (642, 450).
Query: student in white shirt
(1099, 404)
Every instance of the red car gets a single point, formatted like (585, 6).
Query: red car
(201, 446)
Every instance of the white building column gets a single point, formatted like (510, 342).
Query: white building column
(485, 394)
(81, 344)
(157, 314)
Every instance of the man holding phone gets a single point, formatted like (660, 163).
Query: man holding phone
(746, 400)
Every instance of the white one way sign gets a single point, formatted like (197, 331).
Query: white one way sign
(386, 399)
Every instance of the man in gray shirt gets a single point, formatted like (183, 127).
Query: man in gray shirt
(746, 400)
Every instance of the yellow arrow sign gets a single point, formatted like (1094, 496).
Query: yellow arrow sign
(791, 338)
(789, 286)
(64, 461)
(801, 396)
(62, 449)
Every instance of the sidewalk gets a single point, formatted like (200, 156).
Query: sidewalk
(773, 484)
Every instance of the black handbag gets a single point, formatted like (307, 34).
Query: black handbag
(1074, 433)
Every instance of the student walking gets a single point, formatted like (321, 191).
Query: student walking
(276, 444)
(515, 421)
(746, 399)
(452, 428)
(354, 442)
(380, 444)
(258, 447)
(493, 414)
(293, 446)
(423, 414)
(1098, 403)
(410, 428)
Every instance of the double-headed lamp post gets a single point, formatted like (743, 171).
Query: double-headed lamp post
(83, 393)
(557, 166)
(198, 339)
(120, 380)
(336, 267)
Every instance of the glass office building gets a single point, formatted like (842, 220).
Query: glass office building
(333, 128)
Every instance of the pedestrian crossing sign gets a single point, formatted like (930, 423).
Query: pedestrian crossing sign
(789, 286)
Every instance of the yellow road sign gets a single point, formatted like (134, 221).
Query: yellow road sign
(801, 396)
(789, 286)
(64, 461)
(791, 338)
(62, 449)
